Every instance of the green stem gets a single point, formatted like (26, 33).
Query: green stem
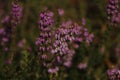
(13, 42)
(25, 18)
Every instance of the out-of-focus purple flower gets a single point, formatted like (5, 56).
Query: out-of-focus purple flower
(43, 56)
(112, 7)
(5, 36)
(115, 19)
(113, 12)
(5, 39)
(1, 31)
(82, 66)
(15, 15)
(88, 36)
(67, 59)
(83, 21)
(6, 49)
(67, 64)
(53, 70)
(113, 74)
(75, 46)
(5, 20)
(21, 43)
(61, 12)
(9, 22)
(16, 12)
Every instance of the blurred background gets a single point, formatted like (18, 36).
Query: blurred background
(93, 61)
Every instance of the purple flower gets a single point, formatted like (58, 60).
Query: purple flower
(83, 21)
(9, 22)
(21, 43)
(6, 49)
(54, 44)
(43, 56)
(75, 46)
(82, 66)
(45, 23)
(4, 39)
(15, 15)
(112, 7)
(66, 35)
(5, 36)
(68, 64)
(16, 12)
(114, 73)
(115, 19)
(53, 70)
(61, 12)
(112, 11)
(44, 40)
(46, 19)
(1, 31)
(87, 36)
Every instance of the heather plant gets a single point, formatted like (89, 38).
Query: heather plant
(113, 15)
(59, 40)
(54, 44)
(10, 22)
(113, 74)
(113, 11)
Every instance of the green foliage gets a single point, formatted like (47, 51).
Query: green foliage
(26, 65)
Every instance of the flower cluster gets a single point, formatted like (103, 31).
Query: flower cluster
(9, 22)
(112, 11)
(5, 34)
(46, 19)
(45, 39)
(114, 74)
(55, 44)
(66, 35)
(87, 36)
(16, 12)
(69, 33)
(45, 24)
